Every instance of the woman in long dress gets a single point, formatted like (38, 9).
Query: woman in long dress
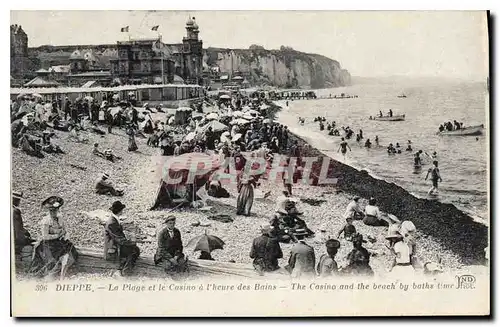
(245, 197)
(132, 146)
(54, 252)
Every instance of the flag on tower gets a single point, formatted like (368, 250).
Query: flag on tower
(124, 29)
(155, 28)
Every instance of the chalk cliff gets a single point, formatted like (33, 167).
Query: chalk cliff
(285, 67)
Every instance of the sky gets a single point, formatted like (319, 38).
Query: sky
(367, 43)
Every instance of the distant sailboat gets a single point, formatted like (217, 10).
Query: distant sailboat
(402, 95)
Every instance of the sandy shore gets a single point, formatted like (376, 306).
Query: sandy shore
(139, 173)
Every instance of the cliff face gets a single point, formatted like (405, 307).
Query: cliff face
(283, 68)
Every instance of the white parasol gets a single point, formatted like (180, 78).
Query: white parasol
(212, 116)
(239, 121)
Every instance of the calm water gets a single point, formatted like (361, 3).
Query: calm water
(462, 160)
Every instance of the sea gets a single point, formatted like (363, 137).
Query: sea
(429, 102)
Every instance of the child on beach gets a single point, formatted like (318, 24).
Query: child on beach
(349, 230)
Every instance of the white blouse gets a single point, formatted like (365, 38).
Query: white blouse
(372, 211)
(402, 251)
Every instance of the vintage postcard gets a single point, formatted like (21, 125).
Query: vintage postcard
(250, 163)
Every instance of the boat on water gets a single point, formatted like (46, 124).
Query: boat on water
(402, 96)
(466, 131)
(389, 118)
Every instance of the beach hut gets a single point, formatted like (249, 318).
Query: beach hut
(185, 175)
(182, 115)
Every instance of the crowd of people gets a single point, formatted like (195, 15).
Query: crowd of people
(240, 127)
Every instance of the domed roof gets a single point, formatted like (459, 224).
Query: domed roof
(190, 21)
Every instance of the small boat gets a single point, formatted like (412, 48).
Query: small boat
(389, 118)
(402, 96)
(466, 131)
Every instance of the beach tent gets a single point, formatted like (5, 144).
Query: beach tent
(177, 186)
(182, 115)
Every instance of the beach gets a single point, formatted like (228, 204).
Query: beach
(138, 173)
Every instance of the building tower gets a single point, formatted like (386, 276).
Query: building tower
(192, 62)
(18, 51)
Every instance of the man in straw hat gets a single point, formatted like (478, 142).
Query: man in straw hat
(104, 186)
(265, 251)
(21, 236)
(327, 266)
(114, 231)
(402, 262)
(169, 252)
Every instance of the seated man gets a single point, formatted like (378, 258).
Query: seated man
(266, 251)
(21, 236)
(105, 187)
(169, 251)
(114, 231)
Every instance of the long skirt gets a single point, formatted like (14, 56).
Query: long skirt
(132, 146)
(47, 255)
(374, 221)
(245, 200)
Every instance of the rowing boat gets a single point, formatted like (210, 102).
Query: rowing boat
(389, 118)
(466, 131)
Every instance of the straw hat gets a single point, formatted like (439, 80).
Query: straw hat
(53, 202)
(393, 232)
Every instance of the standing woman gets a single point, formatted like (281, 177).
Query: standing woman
(54, 249)
(132, 146)
(245, 196)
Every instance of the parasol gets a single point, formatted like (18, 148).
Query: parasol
(206, 243)
(212, 116)
(247, 116)
(237, 114)
(21, 96)
(197, 115)
(239, 121)
(216, 126)
(267, 121)
(225, 97)
(264, 106)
